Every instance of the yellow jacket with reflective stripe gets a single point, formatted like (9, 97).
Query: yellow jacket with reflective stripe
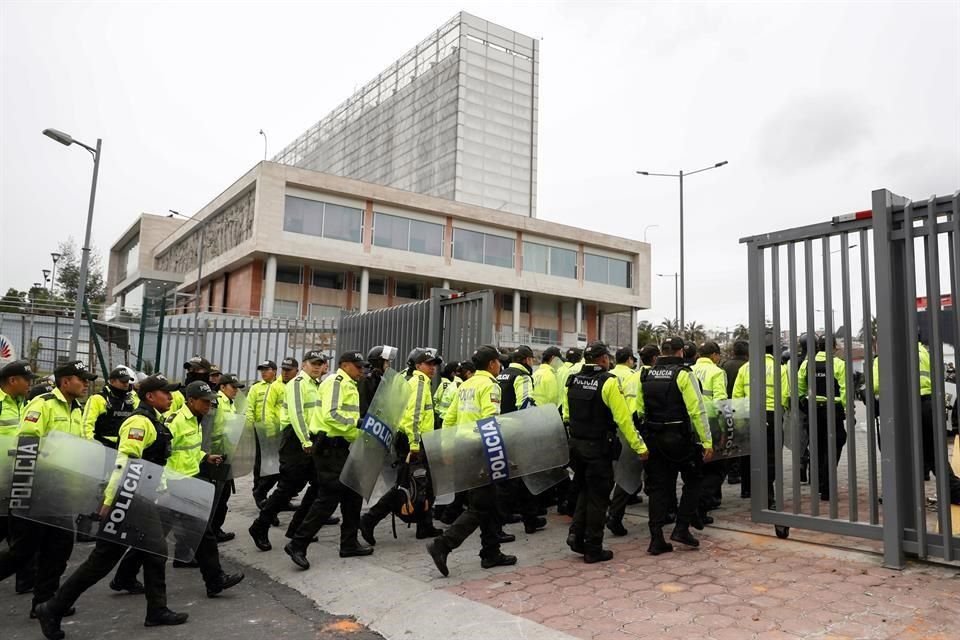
(693, 400)
(839, 375)
(741, 386)
(522, 386)
(226, 409)
(546, 388)
(446, 392)
(186, 451)
(926, 385)
(623, 373)
(419, 412)
(477, 398)
(95, 407)
(613, 397)
(51, 412)
(303, 403)
(572, 371)
(11, 413)
(130, 445)
(177, 403)
(256, 402)
(713, 379)
(339, 407)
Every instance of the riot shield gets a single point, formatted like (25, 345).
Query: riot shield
(730, 427)
(539, 482)
(268, 443)
(8, 453)
(372, 451)
(628, 470)
(496, 449)
(149, 507)
(235, 440)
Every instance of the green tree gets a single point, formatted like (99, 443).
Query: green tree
(669, 327)
(68, 275)
(13, 301)
(647, 334)
(694, 332)
(741, 332)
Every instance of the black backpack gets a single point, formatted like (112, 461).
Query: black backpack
(413, 496)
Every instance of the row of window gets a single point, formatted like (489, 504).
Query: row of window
(292, 274)
(339, 222)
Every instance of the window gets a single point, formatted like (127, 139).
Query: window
(323, 219)
(289, 274)
(539, 258)
(484, 248)
(508, 303)
(377, 287)
(330, 279)
(546, 336)
(413, 290)
(286, 309)
(324, 312)
(396, 232)
(426, 237)
(607, 271)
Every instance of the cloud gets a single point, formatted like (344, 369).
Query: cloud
(812, 132)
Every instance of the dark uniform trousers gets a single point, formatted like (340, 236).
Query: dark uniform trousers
(662, 486)
(823, 446)
(52, 547)
(746, 478)
(481, 512)
(618, 503)
(930, 448)
(25, 576)
(329, 456)
(262, 484)
(711, 492)
(593, 479)
(100, 562)
(296, 470)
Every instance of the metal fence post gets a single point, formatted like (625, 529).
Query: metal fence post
(758, 413)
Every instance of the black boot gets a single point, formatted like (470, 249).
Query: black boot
(603, 555)
(500, 560)
(615, 525)
(49, 622)
(134, 588)
(534, 525)
(439, 557)
(426, 532)
(657, 544)
(681, 533)
(575, 543)
(164, 617)
(258, 531)
(504, 537)
(225, 581)
(298, 555)
(366, 529)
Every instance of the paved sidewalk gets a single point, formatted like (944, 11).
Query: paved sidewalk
(736, 586)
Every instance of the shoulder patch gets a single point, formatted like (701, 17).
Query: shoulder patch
(135, 434)
(32, 416)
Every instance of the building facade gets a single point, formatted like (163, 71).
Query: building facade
(289, 242)
(455, 117)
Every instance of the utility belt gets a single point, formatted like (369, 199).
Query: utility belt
(674, 440)
(323, 442)
(604, 445)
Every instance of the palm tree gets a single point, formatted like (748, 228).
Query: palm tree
(646, 333)
(741, 332)
(694, 332)
(669, 327)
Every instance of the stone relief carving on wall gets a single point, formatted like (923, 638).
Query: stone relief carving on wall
(228, 227)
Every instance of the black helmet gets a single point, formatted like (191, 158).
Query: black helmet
(785, 356)
(821, 343)
(381, 352)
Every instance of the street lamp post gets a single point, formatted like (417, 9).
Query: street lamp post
(681, 175)
(53, 277)
(67, 140)
(647, 228)
(676, 312)
(46, 278)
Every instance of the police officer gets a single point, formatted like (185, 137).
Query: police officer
(446, 390)
(741, 389)
(263, 410)
(675, 427)
(736, 468)
(141, 436)
(335, 428)
(296, 467)
(230, 387)
(546, 387)
(378, 361)
(822, 408)
(573, 359)
(516, 394)
(713, 388)
(189, 459)
(624, 370)
(417, 418)
(477, 398)
(56, 411)
(15, 380)
(595, 410)
(104, 412)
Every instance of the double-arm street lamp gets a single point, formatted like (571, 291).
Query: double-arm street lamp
(66, 139)
(681, 175)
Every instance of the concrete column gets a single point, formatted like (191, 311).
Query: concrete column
(364, 290)
(269, 287)
(579, 318)
(516, 315)
(446, 284)
(634, 321)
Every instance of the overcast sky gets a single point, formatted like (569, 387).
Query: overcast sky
(813, 105)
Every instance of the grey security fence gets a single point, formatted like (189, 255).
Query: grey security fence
(454, 323)
(799, 281)
(237, 344)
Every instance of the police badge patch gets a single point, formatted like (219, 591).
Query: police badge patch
(32, 416)
(136, 434)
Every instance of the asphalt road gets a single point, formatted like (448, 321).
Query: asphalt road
(256, 608)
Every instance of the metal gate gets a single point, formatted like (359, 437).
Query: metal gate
(455, 323)
(795, 287)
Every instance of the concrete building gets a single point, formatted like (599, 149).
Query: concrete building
(455, 117)
(289, 242)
